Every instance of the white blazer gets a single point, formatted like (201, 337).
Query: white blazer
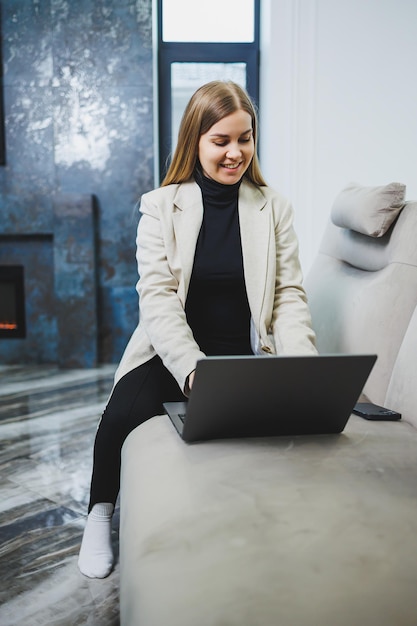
(166, 241)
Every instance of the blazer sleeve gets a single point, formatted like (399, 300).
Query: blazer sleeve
(291, 319)
(161, 311)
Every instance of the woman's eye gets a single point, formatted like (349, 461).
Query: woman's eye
(222, 144)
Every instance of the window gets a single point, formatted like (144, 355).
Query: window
(199, 42)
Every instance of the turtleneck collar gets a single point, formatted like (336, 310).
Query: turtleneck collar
(216, 192)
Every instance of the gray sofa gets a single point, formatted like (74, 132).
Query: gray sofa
(298, 531)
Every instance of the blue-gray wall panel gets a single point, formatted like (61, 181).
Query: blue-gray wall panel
(79, 119)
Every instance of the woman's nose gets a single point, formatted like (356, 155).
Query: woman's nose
(233, 151)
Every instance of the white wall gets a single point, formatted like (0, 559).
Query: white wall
(338, 102)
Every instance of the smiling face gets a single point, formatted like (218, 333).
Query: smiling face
(226, 149)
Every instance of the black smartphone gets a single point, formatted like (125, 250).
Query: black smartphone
(370, 411)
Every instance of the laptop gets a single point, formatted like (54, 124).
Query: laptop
(264, 396)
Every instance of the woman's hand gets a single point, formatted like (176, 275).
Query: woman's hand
(191, 380)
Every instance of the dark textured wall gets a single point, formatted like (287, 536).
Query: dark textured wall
(77, 90)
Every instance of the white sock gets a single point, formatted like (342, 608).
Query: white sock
(96, 554)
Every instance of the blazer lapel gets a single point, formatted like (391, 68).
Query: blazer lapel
(187, 220)
(255, 229)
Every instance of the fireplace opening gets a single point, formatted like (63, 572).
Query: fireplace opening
(12, 302)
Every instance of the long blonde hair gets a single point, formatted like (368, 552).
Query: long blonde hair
(209, 104)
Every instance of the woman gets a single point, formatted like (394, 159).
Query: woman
(219, 274)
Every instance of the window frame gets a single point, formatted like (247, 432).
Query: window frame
(169, 52)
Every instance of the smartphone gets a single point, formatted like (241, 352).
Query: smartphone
(370, 411)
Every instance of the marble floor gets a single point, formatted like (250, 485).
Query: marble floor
(48, 419)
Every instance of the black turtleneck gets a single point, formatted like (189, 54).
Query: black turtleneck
(217, 307)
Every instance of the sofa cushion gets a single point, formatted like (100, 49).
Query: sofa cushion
(368, 210)
(270, 531)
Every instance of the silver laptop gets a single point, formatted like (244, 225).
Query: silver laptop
(263, 396)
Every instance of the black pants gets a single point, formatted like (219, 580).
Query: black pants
(136, 397)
